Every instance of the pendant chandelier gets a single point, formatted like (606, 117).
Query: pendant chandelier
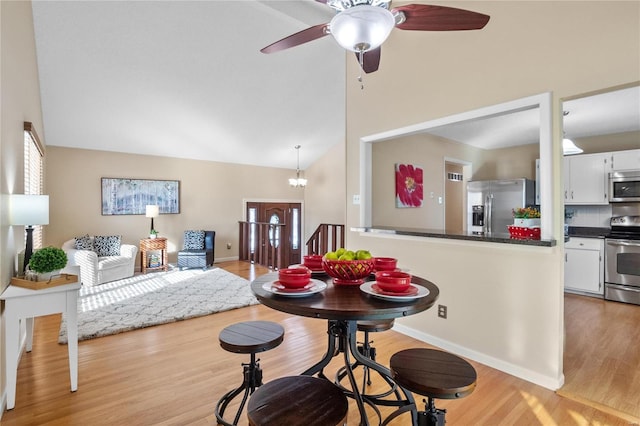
(298, 182)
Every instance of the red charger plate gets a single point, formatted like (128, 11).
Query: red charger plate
(280, 287)
(408, 292)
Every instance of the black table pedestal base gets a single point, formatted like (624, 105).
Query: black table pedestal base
(252, 374)
(342, 339)
(431, 416)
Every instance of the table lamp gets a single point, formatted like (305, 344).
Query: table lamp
(152, 211)
(28, 210)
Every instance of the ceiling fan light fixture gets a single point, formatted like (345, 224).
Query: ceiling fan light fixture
(362, 28)
(570, 148)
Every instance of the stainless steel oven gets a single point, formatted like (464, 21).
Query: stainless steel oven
(622, 260)
(624, 187)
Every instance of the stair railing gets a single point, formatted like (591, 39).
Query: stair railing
(263, 243)
(326, 237)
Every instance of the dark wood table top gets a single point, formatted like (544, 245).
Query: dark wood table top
(343, 302)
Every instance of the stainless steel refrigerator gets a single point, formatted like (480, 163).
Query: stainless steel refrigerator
(490, 203)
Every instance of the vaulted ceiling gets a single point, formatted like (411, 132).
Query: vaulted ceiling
(186, 79)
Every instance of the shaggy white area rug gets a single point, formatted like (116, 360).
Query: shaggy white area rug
(156, 298)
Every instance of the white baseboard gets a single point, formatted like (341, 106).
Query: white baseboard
(3, 403)
(550, 383)
(225, 259)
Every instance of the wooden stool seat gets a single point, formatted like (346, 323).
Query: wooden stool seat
(375, 326)
(298, 401)
(433, 373)
(251, 337)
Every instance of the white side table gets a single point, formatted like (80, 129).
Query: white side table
(23, 303)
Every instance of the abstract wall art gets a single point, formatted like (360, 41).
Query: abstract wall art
(409, 185)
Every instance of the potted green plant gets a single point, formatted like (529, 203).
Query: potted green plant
(47, 262)
(153, 234)
(527, 217)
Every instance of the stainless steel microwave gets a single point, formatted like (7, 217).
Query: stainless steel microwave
(624, 187)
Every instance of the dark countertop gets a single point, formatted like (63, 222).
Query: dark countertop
(588, 232)
(504, 238)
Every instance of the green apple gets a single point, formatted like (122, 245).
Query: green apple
(363, 255)
(347, 255)
(340, 251)
(331, 255)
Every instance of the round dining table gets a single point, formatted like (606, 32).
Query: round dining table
(343, 306)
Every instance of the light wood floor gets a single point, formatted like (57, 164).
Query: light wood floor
(173, 374)
(602, 354)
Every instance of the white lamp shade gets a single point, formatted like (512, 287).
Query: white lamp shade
(152, 210)
(26, 209)
(362, 28)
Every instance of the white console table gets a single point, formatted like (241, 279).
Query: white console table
(22, 303)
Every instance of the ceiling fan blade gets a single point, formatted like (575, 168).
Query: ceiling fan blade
(304, 36)
(424, 17)
(370, 60)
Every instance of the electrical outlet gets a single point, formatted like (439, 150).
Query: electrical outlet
(228, 246)
(442, 311)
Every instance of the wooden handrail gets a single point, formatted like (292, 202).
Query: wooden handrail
(263, 253)
(326, 237)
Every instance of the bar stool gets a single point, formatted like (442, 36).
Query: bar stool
(367, 350)
(298, 401)
(434, 374)
(249, 337)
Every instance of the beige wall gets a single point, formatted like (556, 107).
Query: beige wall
(212, 196)
(20, 102)
(324, 196)
(505, 302)
(508, 163)
(428, 152)
(606, 143)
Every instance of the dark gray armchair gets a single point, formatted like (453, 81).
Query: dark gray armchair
(197, 251)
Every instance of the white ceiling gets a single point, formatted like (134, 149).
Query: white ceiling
(603, 114)
(186, 79)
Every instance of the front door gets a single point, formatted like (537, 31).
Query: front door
(284, 234)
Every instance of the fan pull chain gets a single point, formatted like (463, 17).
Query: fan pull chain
(361, 61)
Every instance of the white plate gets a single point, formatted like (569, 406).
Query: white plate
(313, 271)
(315, 287)
(422, 292)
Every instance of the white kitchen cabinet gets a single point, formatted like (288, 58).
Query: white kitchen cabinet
(585, 179)
(584, 266)
(625, 160)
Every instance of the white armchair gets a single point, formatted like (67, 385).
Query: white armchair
(95, 270)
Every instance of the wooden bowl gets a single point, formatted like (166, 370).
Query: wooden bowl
(294, 277)
(393, 281)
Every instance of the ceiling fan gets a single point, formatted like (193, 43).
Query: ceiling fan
(363, 25)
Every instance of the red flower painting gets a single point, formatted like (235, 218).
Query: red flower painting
(409, 190)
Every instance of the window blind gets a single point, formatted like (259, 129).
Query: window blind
(33, 173)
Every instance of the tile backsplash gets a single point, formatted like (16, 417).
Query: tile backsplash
(594, 216)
